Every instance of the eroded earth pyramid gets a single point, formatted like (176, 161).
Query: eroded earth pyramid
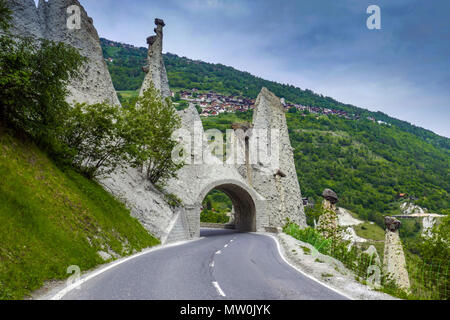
(264, 194)
(50, 21)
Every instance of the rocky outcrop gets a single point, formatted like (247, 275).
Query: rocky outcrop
(411, 208)
(346, 218)
(145, 202)
(49, 21)
(428, 225)
(155, 69)
(276, 182)
(394, 258)
(392, 224)
(25, 18)
(330, 195)
(328, 224)
(264, 195)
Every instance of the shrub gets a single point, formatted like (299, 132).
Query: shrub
(95, 134)
(213, 217)
(5, 16)
(353, 258)
(103, 138)
(149, 126)
(33, 87)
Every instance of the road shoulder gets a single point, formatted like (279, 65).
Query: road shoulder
(56, 289)
(325, 269)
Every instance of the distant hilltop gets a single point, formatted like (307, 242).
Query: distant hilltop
(109, 43)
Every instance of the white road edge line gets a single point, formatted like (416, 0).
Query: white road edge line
(219, 290)
(94, 274)
(303, 273)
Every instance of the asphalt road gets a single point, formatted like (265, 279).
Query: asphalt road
(223, 265)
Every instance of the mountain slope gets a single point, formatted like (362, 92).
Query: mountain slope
(184, 74)
(51, 219)
(368, 164)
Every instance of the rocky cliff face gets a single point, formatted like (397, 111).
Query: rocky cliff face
(263, 195)
(394, 258)
(25, 18)
(145, 202)
(279, 185)
(49, 21)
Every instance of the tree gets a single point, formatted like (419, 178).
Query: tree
(96, 138)
(33, 86)
(150, 124)
(5, 16)
(177, 97)
(436, 247)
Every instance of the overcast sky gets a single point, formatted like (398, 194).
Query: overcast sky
(323, 45)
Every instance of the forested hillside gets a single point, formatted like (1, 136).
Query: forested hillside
(125, 64)
(367, 164)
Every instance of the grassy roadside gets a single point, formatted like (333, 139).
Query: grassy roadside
(51, 219)
(370, 231)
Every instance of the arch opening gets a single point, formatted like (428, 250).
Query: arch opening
(238, 200)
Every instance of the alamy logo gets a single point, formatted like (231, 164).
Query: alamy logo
(74, 19)
(374, 21)
(75, 277)
(259, 147)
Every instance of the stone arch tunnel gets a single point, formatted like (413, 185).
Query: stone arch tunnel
(243, 204)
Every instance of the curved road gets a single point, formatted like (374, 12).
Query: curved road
(223, 265)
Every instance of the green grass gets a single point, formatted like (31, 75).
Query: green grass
(209, 216)
(51, 219)
(327, 275)
(129, 94)
(224, 121)
(370, 231)
(306, 250)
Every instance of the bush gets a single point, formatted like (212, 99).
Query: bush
(313, 214)
(5, 16)
(33, 87)
(182, 106)
(210, 216)
(103, 138)
(353, 258)
(437, 246)
(95, 134)
(149, 126)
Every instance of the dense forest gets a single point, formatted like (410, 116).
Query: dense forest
(367, 164)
